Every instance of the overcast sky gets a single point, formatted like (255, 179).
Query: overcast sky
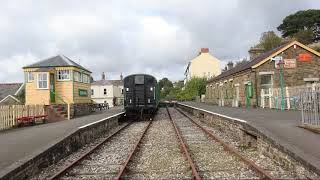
(156, 37)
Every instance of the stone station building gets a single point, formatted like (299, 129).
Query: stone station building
(257, 83)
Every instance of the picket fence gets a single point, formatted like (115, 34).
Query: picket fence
(9, 114)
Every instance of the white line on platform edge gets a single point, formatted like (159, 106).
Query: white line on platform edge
(100, 120)
(235, 119)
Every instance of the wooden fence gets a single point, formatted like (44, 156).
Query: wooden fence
(8, 114)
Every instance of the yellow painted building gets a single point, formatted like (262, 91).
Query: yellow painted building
(57, 80)
(204, 65)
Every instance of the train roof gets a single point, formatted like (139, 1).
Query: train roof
(140, 75)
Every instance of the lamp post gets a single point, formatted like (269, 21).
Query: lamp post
(281, 65)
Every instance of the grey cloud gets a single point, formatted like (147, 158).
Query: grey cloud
(157, 37)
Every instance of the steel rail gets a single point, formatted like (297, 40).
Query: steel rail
(184, 149)
(83, 156)
(120, 173)
(251, 164)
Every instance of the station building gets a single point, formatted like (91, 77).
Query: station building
(58, 81)
(258, 82)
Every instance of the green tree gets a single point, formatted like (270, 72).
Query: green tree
(299, 21)
(194, 87)
(304, 36)
(269, 40)
(165, 86)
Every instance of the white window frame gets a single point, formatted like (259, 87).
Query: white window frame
(28, 77)
(47, 79)
(77, 76)
(85, 78)
(266, 86)
(63, 75)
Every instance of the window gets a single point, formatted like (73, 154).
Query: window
(121, 91)
(266, 81)
(105, 91)
(85, 78)
(30, 76)
(77, 76)
(63, 75)
(92, 91)
(43, 81)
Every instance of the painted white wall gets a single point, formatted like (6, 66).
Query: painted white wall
(98, 95)
(204, 65)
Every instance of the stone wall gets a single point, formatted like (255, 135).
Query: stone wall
(60, 149)
(81, 109)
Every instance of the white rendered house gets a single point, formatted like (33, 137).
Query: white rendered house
(107, 91)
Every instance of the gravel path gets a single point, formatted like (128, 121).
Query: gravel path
(261, 160)
(159, 155)
(212, 161)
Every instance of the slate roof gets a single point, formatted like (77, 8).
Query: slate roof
(107, 82)
(9, 89)
(56, 61)
(249, 64)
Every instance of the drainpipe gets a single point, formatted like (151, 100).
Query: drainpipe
(68, 111)
(256, 87)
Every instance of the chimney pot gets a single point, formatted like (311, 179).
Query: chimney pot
(121, 77)
(103, 76)
(204, 50)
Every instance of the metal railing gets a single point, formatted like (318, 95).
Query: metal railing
(310, 108)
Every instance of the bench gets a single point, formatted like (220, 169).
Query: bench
(31, 119)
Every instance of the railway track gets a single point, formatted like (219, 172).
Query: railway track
(159, 155)
(104, 160)
(208, 156)
(172, 146)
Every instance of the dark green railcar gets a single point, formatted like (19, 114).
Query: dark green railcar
(141, 95)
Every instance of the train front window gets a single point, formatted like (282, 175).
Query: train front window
(139, 79)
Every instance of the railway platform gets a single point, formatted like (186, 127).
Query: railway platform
(22, 144)
(277, 125)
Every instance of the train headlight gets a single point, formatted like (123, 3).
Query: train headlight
(127, 89)
(151, 88)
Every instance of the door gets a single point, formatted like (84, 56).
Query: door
(236, 98)
(52, 89)
(249, 93)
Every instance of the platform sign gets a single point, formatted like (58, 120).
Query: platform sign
(290, 63)
(304, 57)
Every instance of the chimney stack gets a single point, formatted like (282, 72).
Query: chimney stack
(121, 77)
(230, 65)
(255, 52)
(103, 76)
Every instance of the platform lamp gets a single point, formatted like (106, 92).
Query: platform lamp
(281, 66)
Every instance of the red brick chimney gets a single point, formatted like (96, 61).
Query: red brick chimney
(204, 50)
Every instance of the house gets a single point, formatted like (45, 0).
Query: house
(107, 91)
(58, 81)
(11, 93)
(259, 82)
(204, 65)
